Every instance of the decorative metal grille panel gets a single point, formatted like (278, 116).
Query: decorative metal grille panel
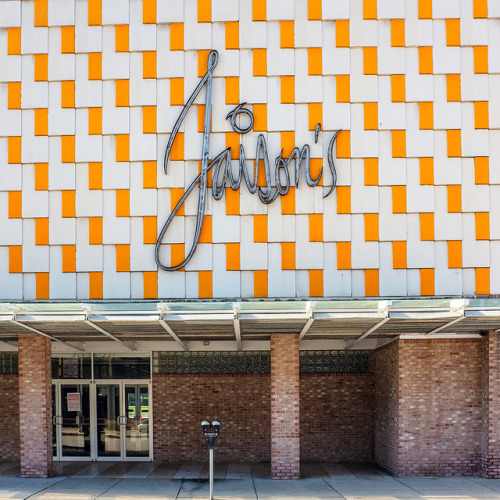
(257, 362)
(8, 363)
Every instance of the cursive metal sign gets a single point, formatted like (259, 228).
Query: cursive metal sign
(222, 172)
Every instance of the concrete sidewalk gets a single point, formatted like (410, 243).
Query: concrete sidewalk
(147, 480)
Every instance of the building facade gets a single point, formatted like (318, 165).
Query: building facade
(280, 214)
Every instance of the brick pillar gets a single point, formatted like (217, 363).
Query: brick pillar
(285, 402)
(491, 407)
(35, 406)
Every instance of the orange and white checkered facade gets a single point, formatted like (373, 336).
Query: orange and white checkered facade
(90, 91)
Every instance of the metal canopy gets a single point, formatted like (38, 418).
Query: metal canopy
(180, 322)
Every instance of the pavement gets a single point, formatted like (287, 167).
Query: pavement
(159, 480)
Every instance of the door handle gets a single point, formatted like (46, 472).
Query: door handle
(57, 420)
(122, 420)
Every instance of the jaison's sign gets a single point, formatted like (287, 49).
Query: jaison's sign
(222, 172)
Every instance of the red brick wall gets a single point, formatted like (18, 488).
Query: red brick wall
(385, 364)
(241, 402)
(9, 418)
(440, 403)
(336, 417)
(35, 406)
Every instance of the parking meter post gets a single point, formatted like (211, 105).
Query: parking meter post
(211, 433)
(211, 451)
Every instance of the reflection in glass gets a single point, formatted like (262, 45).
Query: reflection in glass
(75, 412)
(54, 427)
(108, 410)
(121, 366)
(137, 429)
(71, 365)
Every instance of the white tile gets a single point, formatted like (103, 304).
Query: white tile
(61, 285)
(117, 11)
(35, 257)
(89, 258)
(116, 285)
(10, 13)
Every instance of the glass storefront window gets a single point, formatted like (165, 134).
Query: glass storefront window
(72, 366)
(112, 366)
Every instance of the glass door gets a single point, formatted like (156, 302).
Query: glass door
(137, 426)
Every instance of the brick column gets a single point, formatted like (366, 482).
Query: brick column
(35, 406)
(285, 403)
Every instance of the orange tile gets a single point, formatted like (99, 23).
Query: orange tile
(175, 196)
(149, 225)
(287, 143)
(95, 121)
(314, 10)
(150, 285)
(149, 64)
(204, 11)
(206, 230)
(42, 231)
(68, 149)
(425, 9)
(205, 285)
(344, 255)
(315, 63)
(41, 67)
(260, 284)
(482, 281)
(68, 204)
(371, 227)
(288, 203)
(316, 227)
(149, 11)
(398, 199)
(233, 142)
(122, 258)
(371, 171)
(398, 88)
(149, 119)
(95, 285)
(259, 10)
(342, 38)
(482, 170)
(315, 166)
(259, 62)
(426, 282)
(67, 40)
(454, 139)
(315, 114)
(343, 88)
(425, 64)
(68, 94)
(95, 66)
(398, 33)
(14, 95)
(287, 89)
(344, 144)
(399, 254)
(426, 171)
(232, 202)
(95, 175)
(149, 175)
(260, 228)
(177, 151)
(41, 121)
(41, 176)
(343, 199)
(481, 59)
(69, 259)
(399, 143)
(123, 203)
(232, 256)
(453, 91)
(121, 38)
(15, 205)
(232, 90)
(122, 147)
(232, 35)
(177, 36)
(370, 64)
(95, 230)
(369, 9)
(42, 286)
(16, 259)
(316, 283)
(480, 9)
(426, 111)
(122, 93)
(371, 283)
(177, 254)
(482, 226)
(371, 115)
(94, 12)
(481, 114)
(177, 91)
(41, 13)
(287, 38)
(454, 254)
(454, 199)
(288, 256)
(14, 41)
(427, 227)
(202, 62)
(453, 32)
(14, 149)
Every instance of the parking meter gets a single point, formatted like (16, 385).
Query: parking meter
(211, 432)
